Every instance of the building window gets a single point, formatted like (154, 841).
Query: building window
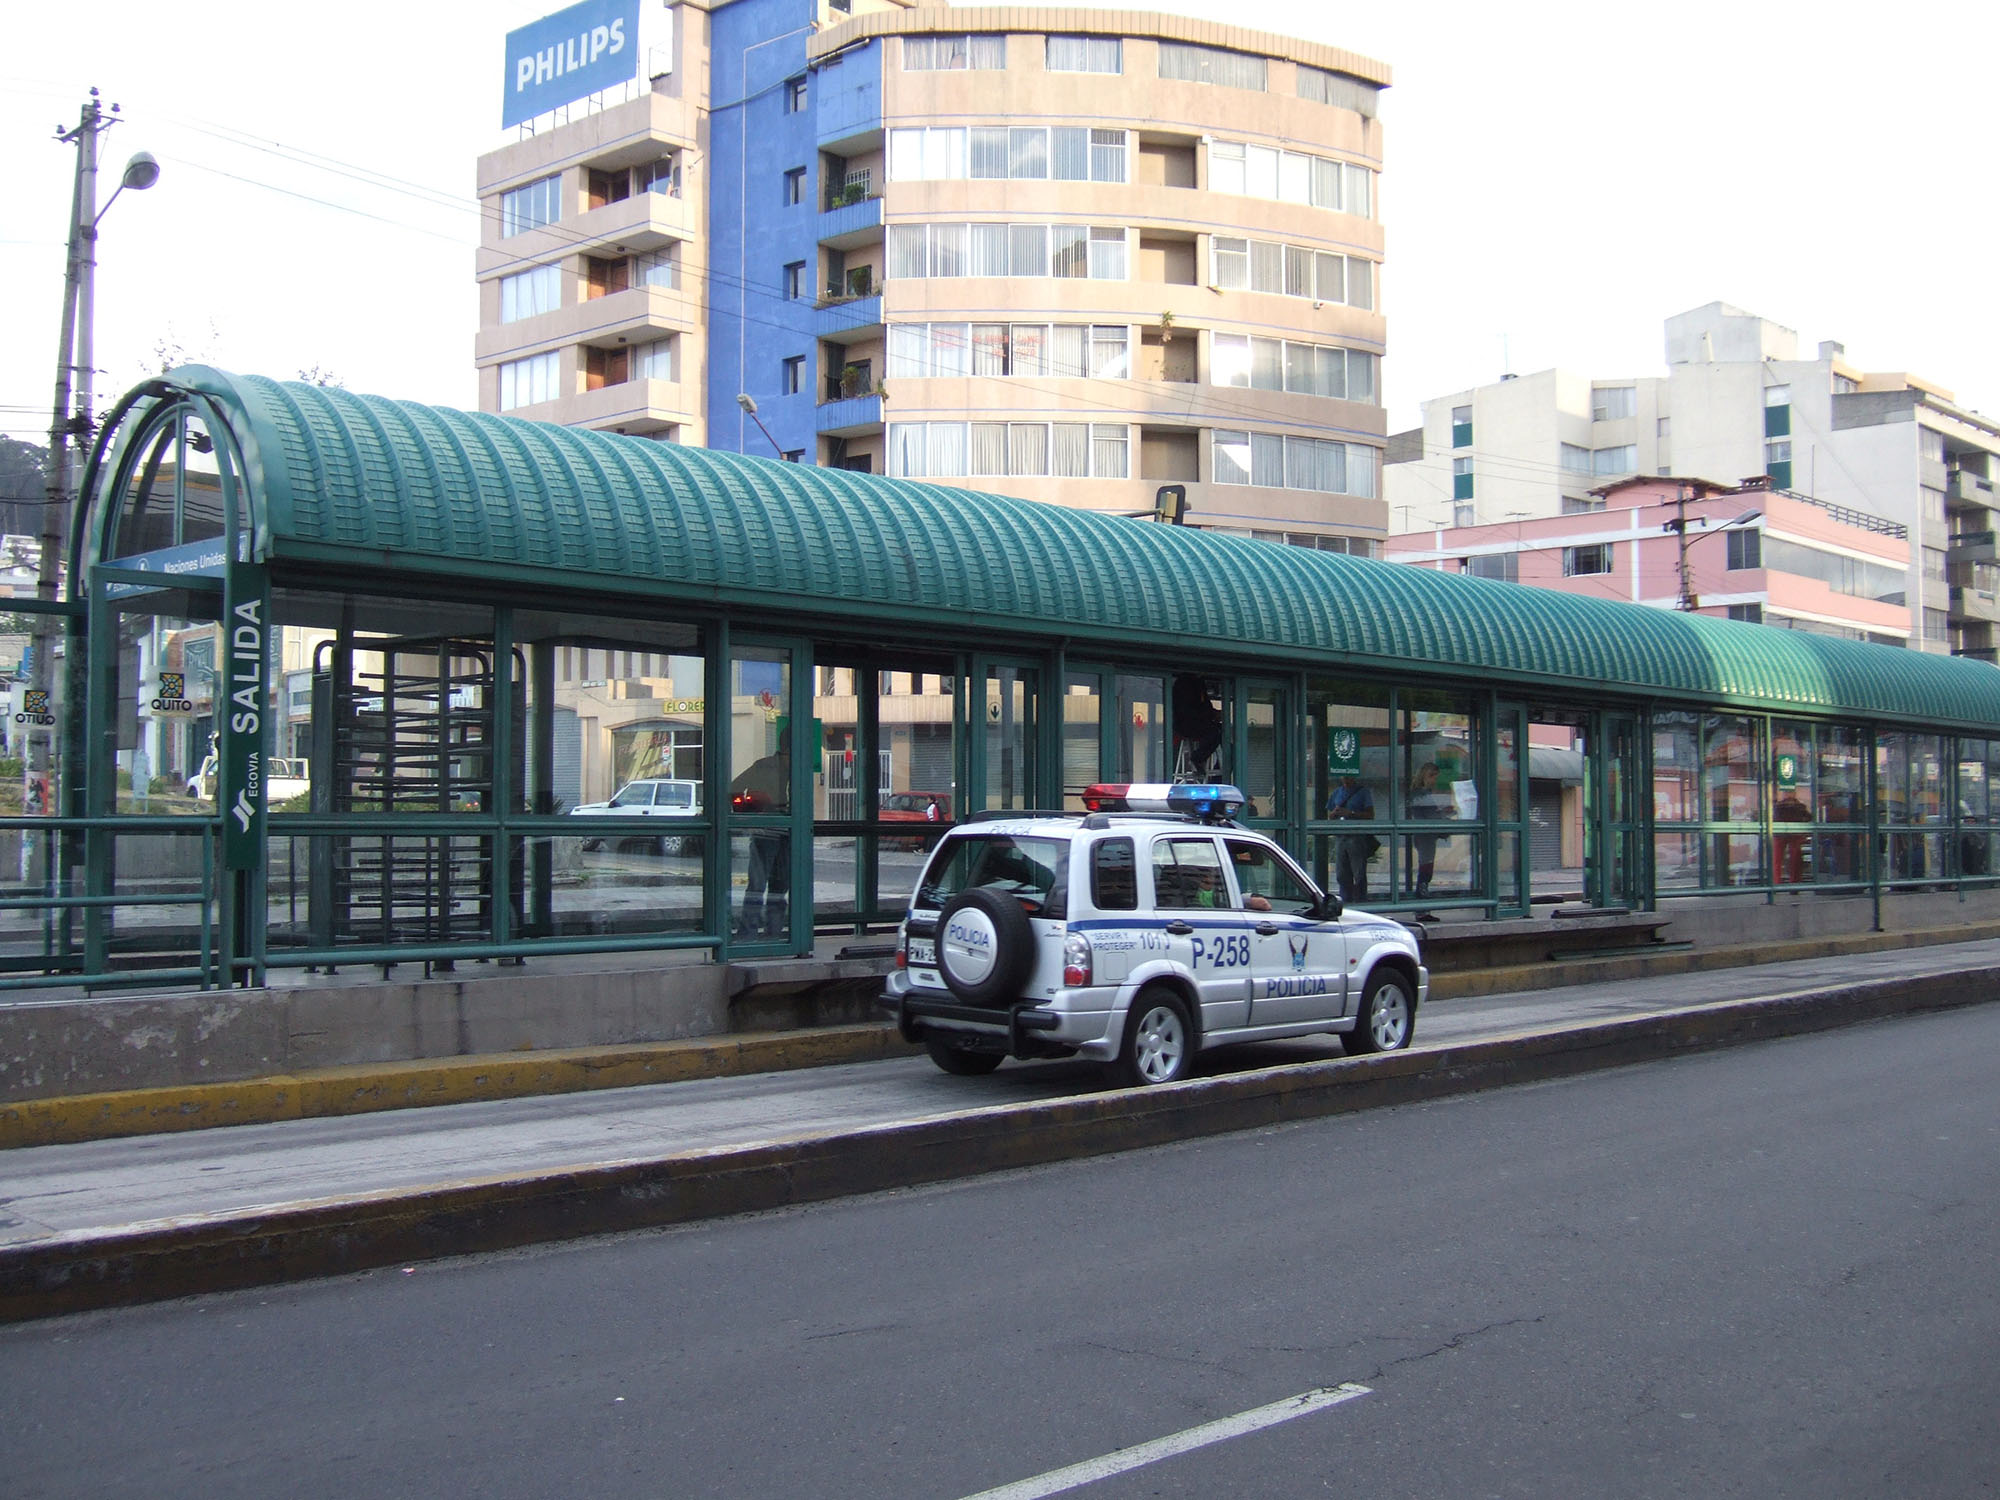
(1061, 450)
(527, 382)
(1461, 479)
(1581, 562)
(1461, 427)
(1291, 270)
(795, 186)
(1621, 460)
(794, 455)
(1778, 463)
(1278, 461)
(1465, 515)
(659, 360)
(795, 280)
(1663, 427)
(933, 54)
(531, 293)
(1748, 614)
(1067, 153)
(795, 96)
(1236, 70)
(791, 375)
(1084, 54)
(1504, 566)
(1777, 411)
(1337, 89)
(1289, 176)
(1745, 550)
(1576, 460)
(530, 206)
(1609, 403)
(660, 268)
(1283, 365)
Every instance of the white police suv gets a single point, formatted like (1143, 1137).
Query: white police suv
(1138, 933)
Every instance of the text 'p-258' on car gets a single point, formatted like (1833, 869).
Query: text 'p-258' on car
(1138, 933)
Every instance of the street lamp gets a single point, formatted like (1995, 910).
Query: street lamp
(72, 417)
(743, 399)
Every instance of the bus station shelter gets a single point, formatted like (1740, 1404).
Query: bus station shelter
(348, 680)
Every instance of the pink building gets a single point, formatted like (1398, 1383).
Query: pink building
(1747, 552)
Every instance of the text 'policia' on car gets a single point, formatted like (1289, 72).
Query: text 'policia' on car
(1140, 932)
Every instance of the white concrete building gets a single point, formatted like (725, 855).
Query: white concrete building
(1736, 401)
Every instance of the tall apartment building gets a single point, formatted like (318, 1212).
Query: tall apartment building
(1072, 255)
(1736, 402)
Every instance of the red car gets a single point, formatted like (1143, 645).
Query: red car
(915, 807)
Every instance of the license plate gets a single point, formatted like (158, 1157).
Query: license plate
(923, 951)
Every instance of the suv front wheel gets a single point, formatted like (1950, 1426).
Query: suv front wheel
(1159, 1040)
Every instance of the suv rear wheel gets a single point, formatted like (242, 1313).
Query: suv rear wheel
(1388, 1016)
(1159, 1041)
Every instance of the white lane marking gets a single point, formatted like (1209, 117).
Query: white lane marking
(1221, 1430)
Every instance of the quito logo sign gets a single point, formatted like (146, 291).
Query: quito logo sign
(570, 55)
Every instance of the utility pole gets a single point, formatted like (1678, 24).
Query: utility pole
(72, 416)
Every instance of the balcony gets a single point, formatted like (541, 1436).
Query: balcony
(848, 416)
(851, 217)
(1973, 547)
(1974, 604)
(842, 320)
(1969, 492)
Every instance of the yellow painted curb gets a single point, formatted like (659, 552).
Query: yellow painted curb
(365, 1088)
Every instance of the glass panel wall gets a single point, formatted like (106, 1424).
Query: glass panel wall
(1437, 783)
(761, 745)
(1082, 736)
(1139, 729)
(1909, 780)
(917, 755)
(1009, 758)
(1347, 765)
(1818, 799)
(1978, 761)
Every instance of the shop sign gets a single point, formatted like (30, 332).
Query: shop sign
(568, 56)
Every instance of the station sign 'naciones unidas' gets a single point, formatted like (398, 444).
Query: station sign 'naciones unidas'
(568, 56)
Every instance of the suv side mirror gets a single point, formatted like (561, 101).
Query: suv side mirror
(1329, 909)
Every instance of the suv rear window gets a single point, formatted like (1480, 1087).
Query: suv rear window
(1114, 876)
(1030, 868)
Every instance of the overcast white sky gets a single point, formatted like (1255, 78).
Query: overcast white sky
(1560, 178)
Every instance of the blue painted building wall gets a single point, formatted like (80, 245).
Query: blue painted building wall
(755, 47)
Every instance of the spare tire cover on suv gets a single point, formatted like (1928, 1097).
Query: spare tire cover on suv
(985, 947)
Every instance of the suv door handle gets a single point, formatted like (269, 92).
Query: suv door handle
(1267, 929)
(1179, 929)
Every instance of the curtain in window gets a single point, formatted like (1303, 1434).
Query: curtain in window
(1109, 358)
(1069, 450)
(1300, 375)
(947, 450)
(654, 361)
(951, 353)
(1027, 250)
(1267, 460)
(1107, 156)
(948, 249)
(1232, 263)
(1267, 266)
(1107, 254)
(989, 51)
(1301, 461)
(1360, 282)
(919, 54)
(951, 52)
(1066, 54)
(1028, 151)
(1361, 470)
(1069, 250)
(989, 151)
(1066, 349)
(1330, 372)
(986, 250)
(906, 450)
(1360, 376)
(909, 351)
(1329, 277)
(909, 250)
(1027, 448)
(944, 154)
(1330, 465)
(1298, 272)
(989, 448)
(1360, 190)
(1267, 364)
(1024, 348)
(1107, 451)
(989, 349)
(1069, 153)
(1231, 457)
(1326, 183)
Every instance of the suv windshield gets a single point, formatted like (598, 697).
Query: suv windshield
(1029, 868)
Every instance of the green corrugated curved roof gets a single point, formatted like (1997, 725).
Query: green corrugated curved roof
(390, 484)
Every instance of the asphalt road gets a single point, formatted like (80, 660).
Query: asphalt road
(95, 1186)
(1769, 1271)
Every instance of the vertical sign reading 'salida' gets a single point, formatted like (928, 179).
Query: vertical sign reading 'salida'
(569, 55)
(246, 639)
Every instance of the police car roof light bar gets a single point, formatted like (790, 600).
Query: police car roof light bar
(1201, 801)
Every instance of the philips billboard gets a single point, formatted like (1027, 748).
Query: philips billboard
(571, 54)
